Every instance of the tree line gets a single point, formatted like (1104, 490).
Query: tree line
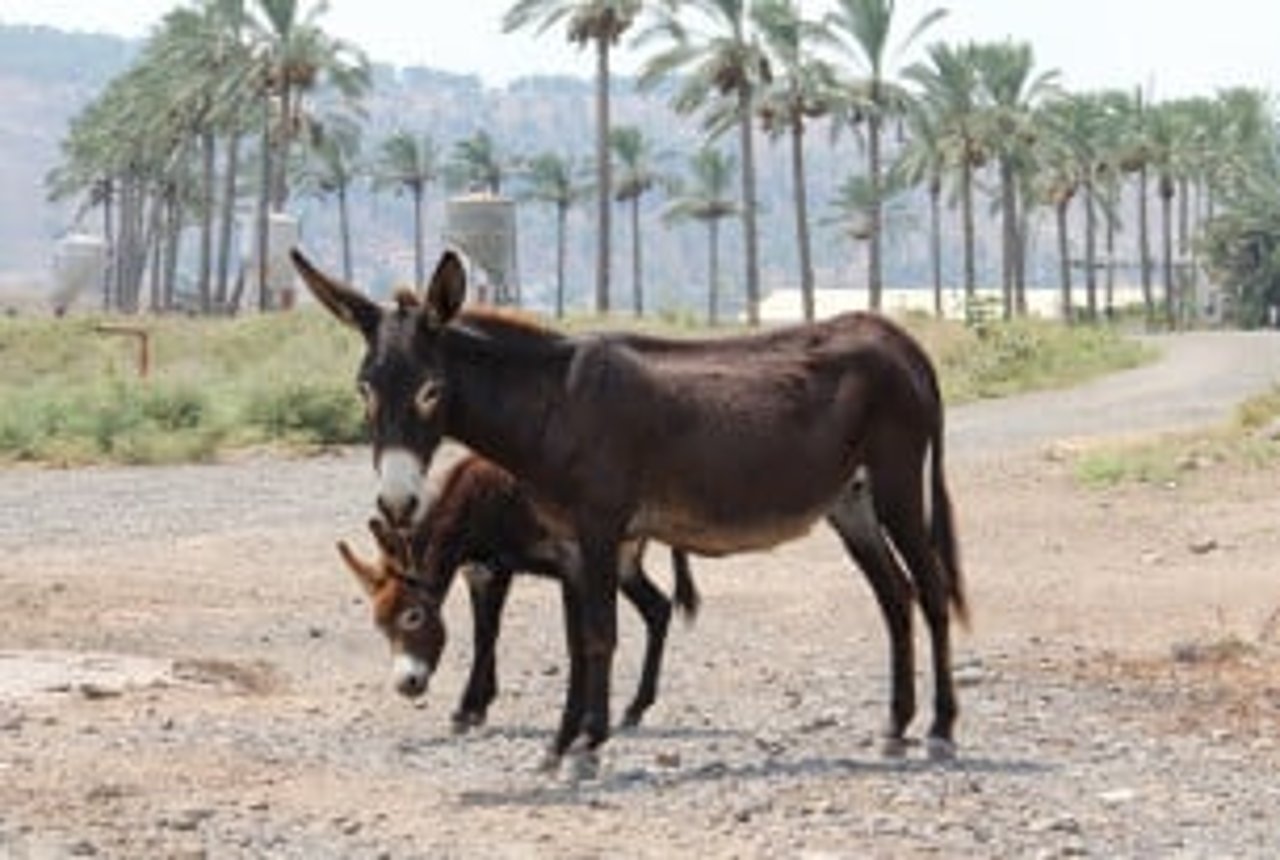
(233, 101)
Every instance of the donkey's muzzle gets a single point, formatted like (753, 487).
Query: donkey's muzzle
(397, 510)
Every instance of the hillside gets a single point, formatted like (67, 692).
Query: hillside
(46, 76)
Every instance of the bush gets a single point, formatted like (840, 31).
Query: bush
(321, 412)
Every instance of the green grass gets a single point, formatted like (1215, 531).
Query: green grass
(1246, 440)
(70, 394)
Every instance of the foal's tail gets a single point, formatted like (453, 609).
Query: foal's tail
(943, 529)
(686, 597)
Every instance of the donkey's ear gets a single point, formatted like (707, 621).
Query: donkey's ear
(448, 287)
(394, 546)
(369, 575)
(349, 306)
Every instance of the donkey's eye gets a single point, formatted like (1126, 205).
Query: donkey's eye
(427, 398)
(411, 619)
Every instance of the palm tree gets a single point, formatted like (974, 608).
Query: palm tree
(295, 57)
(1166, 138)
(857, 198)
(600, 23)
(408, 163)
(476, 164)
(707, 199)
(802, 88)
(950, 93)
(1005, 70)
(724, 68)
(332, 166)
(862, 30)
(555, 179)
(638, 174)
(923, 160)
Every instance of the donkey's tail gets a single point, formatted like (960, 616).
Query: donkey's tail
(944, 531)
(686, 597)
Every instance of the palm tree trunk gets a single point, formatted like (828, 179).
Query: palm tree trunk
(802, 218)
(713, 271)
(109, 235)
(1020, 263)
(1144, 248)
(1090, 251)
(604, 177)
(419, 251)
(344, 231)
(637, 271)
(204, 283)
(1064, 260)
(875, 276)
(230, 175)
(264, 206)
(562, 218)
(935, 241)
(966, 205)
(750, 235)
(173, 235)
(1009, 233)
(1167, 227)
(1110, 305)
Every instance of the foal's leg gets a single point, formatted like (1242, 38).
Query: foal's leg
(854, 519)
(655, 609)
(488, 590)
(902, 508)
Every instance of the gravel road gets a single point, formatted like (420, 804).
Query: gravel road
(186, 670)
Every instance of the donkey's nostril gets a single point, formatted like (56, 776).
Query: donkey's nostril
(397, 511)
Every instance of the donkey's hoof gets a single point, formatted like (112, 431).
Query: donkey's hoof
(465, 721)
(631, 719)
(893, 746)
(584, 765)
(940, 749)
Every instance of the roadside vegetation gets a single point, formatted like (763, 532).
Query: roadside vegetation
(71, 394)
(1250, 439)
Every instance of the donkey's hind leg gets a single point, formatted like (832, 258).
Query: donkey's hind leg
(854, 518)
(901, 506)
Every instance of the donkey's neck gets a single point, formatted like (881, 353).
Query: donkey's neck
(501, 393)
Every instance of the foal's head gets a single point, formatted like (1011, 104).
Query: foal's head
(401, 377)
(404, 609)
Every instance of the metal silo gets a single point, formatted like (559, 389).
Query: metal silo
(483, 226)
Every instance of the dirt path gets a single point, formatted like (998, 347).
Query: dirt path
(223, 694)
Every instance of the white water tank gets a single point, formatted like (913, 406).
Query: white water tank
(79, 263)
(483, 226)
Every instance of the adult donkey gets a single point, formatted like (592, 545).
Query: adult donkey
(713, 446)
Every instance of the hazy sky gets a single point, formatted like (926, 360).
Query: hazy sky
(1179, 47)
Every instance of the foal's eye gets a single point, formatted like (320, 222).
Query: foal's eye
(411, 619)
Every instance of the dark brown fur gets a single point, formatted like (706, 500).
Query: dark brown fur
(482, 523)
(713, 446)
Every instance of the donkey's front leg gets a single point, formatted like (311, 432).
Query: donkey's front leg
(571, 716)
(599, 588)
(488, 589)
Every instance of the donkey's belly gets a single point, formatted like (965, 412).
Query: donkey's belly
(703, 535)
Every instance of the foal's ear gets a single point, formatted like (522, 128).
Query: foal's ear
(349, 306)
(394, 546)
(448, 287)
(369, 575)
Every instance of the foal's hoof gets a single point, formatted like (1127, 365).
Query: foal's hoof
(465, 721)
(940, 749)
(630, 719)
(893, 746)
(548, 764)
